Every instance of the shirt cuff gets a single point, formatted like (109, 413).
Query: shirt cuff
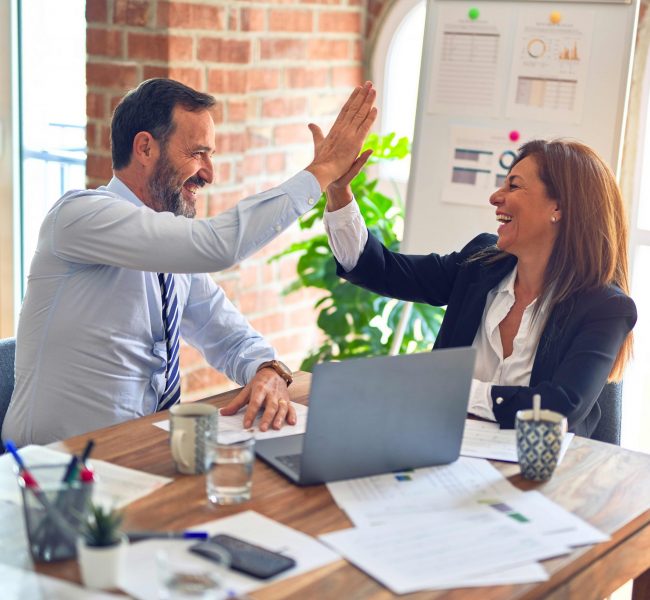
(304, 189)
(341, 218)
(480, 400)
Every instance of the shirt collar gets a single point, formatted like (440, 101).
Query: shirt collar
(507, 286)
(117, 186)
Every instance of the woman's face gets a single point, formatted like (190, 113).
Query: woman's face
(529, 218)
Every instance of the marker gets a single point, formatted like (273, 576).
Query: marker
(86, 453)
(136, 536)
(9, 445)
(71, 470)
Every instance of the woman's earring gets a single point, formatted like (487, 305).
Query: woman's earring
(553, 219)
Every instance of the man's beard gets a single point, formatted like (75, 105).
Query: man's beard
(166, 189)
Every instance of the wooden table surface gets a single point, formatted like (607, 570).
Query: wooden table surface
(607, 486)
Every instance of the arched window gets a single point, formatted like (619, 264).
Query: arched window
(395, 69)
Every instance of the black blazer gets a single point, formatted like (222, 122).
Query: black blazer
(577, 348)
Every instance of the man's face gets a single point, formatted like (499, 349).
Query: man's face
(184, 164)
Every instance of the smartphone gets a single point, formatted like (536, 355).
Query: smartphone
(245, 557)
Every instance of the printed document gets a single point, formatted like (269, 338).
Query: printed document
(440, 551)
(115, 486)
(233, 426)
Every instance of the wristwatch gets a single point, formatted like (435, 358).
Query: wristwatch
(280, 368)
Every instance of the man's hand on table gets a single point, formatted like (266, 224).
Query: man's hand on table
(267, 389)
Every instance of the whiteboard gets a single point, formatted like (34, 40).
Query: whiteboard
(491, 80)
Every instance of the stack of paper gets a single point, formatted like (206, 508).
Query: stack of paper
(115, 486)
(482, 439)
(451, 526)
(141, 580)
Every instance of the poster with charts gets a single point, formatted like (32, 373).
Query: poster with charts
(550, 64)
(467, 61)
(479, 160)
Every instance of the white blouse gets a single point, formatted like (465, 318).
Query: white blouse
(348, 235)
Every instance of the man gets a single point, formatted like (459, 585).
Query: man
(120, 272)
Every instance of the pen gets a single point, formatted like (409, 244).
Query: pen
(86, 453)
(136, 536)
(71, 470)
(9, 445)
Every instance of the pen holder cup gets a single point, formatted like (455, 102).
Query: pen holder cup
(55, 512)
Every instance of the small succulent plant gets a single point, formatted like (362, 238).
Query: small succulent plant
(102, 527)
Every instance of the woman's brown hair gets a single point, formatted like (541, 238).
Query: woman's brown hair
(591, 247)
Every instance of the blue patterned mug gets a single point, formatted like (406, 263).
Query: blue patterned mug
(539, 442)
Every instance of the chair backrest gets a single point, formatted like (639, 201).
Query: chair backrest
(7, 374)
(610, 402)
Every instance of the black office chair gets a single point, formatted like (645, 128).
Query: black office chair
(611, 403)
(7, 374)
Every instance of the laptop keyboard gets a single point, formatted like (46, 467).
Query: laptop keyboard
(292, 461)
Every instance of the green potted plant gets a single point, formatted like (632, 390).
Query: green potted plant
(101, 548)
(354, 321)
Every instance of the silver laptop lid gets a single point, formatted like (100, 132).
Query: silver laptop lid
(375, 415)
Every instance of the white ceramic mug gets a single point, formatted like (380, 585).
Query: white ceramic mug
(188, 426)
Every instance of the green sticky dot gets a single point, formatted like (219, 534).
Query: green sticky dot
(473, 13)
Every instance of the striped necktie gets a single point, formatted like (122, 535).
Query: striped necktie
(172, 393)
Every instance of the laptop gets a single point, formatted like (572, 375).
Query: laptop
(375, 415)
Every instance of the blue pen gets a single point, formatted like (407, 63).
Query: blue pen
(9, 445)
(136, 536)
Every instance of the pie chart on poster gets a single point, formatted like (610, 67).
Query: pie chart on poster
(536, 48)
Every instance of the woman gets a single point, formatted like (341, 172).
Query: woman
(544, 301)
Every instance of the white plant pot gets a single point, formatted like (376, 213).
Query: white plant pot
(101, 566)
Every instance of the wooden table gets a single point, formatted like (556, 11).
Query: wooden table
(605, 485)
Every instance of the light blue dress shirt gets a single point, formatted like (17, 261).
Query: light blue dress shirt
(90, 347)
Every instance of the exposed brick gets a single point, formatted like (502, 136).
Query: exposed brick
(222, 173)
(269, 324)
(104, 42)
(227, 82)
(95, 105)
(263, 79)
(275, 162)
(284, 107)
(131, 12)
(319, 49)
(347, 76)
(285, 344)
(241, 110)
(229, 51)
(253, 165)
(356, 50)
(99, 167)
(111, 75)
(291, 20)
(105, 138)
(92, 136)
(249, 275)
(257, 301)
(324, 105)
(96, 11)
(253, 19)
(307, 78)
(258, 136)
(202, 379)
(160, 47)
(193, 77)
(339, 22)
(283, 49)
(189, 356)
(191, 16)
(227, 143)
(291, 134)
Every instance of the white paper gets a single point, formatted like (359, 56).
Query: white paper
(535, 513)
(441, 551)
(141, 578)
(486, 440)
(378, 499)
(467, 60)
(18, 584)
(550, 65)
(115, 486)
(231, 426)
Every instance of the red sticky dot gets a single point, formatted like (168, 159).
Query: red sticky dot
(514, 136)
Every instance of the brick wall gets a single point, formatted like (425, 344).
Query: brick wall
(273, 65)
